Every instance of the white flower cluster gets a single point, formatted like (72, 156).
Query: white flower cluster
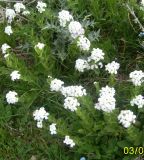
(53, 129)
(15, 75)
(41, 6)
(4, 48)
(82, 65)
(71, 103)
(91, 62)
(10, 15)
(64, 17)
(137, 77)
(73, 91)
(11, 97)
(112, 67)
(138, 100)
(126, 118)
(69, 141)
(40, 46)
(142, 3)
(70, 92)
(83, 43)
(8, 30)
(75, 29)
(96, 55)
(56, 85)
(26, 12)
(39, 115)
(106, 101)
(19, 7)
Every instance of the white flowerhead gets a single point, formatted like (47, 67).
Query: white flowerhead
(40, 46)
(69, 141)
(39, 124)
(10, 15)
(73, 91)
(142, 2)
(138, 100)
(75, 29)
(26, 12)
(50, 77)
(96, 55)
(100, 64)
(106, 100)
(95, 83)
(53, 129)
(137, 77)
(8, 30)
(15, 75)
(56, 85)
(126, 118)
(64, 17)
(4, 48)
(6, 55)
(41, 6)
(83, 43)
(11, 97)
(112, 67)
(19, 7)
(71, 103)
(39, 115)
(81, 65)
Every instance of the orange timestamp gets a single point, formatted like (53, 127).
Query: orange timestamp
(133, 150)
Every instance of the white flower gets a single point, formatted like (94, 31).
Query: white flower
(40, 46)
(108, 91)
(106, 100)
(11, 97)
(39, 124)
(93, 66)
(56, 85)
(138, 100)
(18, 7)
(100, 64)
(137, 77)
(53, 128)
(8, 30)
(64, 17)
(6, 55)
(73, 91)
(49, 76)
(26, 12)
(81, 65)
(4, 48)
(95, 83)
(75, 29)
(126, 118)
(96, 55)
(10, 15)
(15, 75)
(83, 43)
(71, 103)
(142, 2)
(69, 141)
(41, 6)
(39, 115)
(112, 67)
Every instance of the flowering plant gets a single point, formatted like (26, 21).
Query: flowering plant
(64, 86)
